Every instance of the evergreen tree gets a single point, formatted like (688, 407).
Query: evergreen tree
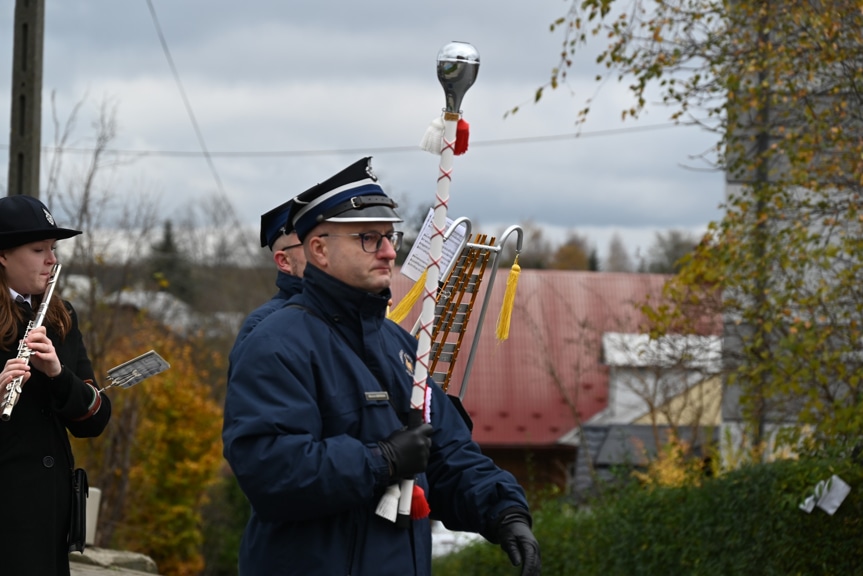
(169, 267)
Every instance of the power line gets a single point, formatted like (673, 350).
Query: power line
(198, 133)
(186, 102)
(376, 150)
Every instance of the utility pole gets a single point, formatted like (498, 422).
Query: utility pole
(25, 127)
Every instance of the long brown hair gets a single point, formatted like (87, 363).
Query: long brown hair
(57, 318)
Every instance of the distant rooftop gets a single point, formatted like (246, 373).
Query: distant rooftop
(639, 350)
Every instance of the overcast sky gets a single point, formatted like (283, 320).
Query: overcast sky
(329, 82)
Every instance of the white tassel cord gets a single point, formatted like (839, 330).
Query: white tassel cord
(431, 141)
(388, 506)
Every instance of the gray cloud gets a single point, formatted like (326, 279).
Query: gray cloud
(359, 79)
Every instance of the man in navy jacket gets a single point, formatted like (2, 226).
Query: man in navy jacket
(290, 261)
(316, 410)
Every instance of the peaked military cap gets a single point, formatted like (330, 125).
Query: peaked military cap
(275, 223)
(352, 195)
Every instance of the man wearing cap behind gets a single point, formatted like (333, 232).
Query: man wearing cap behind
(278, 235)
(316, 410)
(57, 395)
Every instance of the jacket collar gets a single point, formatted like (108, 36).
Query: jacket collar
(289, 284)
(340, 302)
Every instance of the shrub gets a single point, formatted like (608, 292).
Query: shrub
(747, 521)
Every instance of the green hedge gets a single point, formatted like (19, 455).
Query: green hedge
(744, 522)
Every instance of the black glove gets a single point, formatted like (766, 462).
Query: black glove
(519, 543)
(407, 450)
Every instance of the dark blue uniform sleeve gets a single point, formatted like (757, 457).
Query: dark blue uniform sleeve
(289, 467)
(469, 491)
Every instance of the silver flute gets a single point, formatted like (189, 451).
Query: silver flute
(13, 389)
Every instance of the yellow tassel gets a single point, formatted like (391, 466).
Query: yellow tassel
(400, 312)
(508, 300)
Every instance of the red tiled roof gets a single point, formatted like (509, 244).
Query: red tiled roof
(539, 384)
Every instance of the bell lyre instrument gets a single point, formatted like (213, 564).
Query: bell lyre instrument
(457, 68)
(458, 297)
(13, 389)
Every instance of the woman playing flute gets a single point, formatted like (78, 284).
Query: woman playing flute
(55, 393)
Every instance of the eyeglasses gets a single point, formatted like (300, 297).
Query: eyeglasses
(372, 240)
(292, 246)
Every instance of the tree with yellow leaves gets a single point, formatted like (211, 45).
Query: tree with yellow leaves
(162, 448)
(160, 453)
(780, 83)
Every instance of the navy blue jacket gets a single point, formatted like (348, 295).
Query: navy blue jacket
(303, 416)
(288, 286)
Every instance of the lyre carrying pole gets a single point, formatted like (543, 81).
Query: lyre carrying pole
(457, 68)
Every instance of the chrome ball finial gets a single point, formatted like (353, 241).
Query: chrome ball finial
(457, 67)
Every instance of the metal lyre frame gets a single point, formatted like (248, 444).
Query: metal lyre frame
(457, 298)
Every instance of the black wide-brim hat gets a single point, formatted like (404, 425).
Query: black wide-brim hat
(24, 219)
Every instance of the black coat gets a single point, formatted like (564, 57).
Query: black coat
(36, 459)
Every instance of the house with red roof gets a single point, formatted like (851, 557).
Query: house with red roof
(528, 395)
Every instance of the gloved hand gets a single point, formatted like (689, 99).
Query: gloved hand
(519, 543)
(407, 450)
